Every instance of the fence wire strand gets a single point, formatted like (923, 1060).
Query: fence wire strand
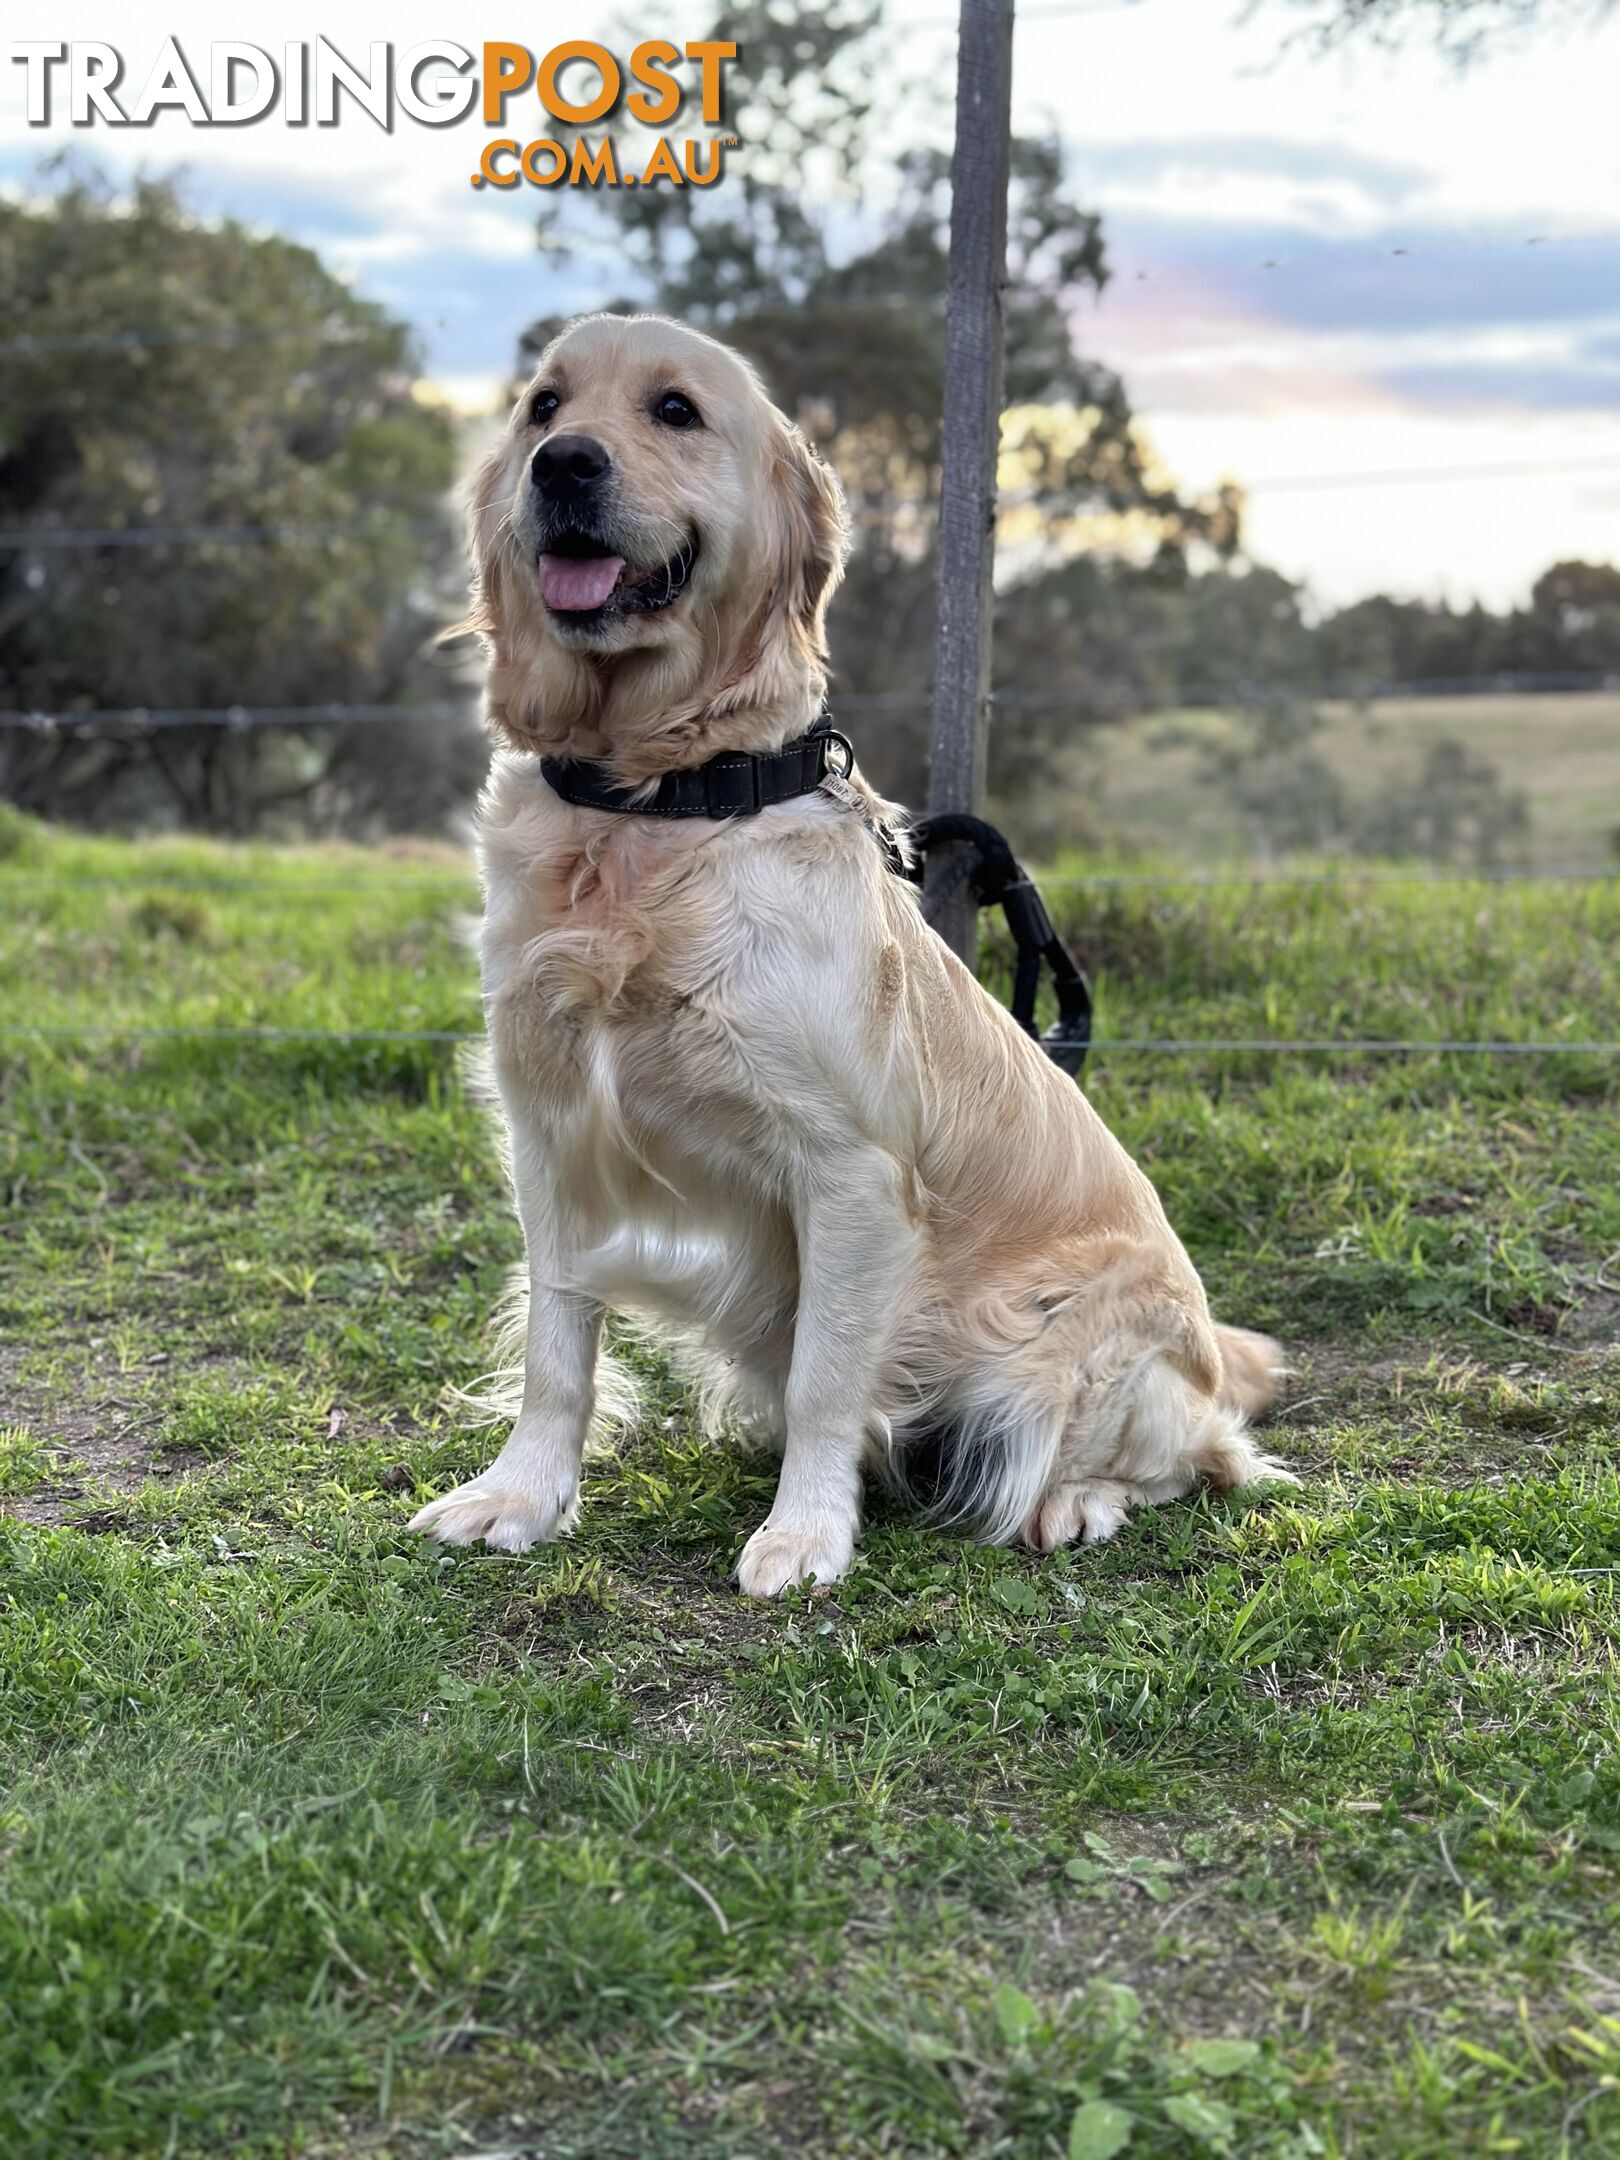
(1341, 1046)
(459, 884)
(1128, 703)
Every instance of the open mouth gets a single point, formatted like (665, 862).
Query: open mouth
(581, 578)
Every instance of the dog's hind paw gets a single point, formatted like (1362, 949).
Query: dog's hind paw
(1091, 1511)
(777, 1560)
(507, 1517)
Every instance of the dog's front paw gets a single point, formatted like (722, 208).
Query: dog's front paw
(775, 1560)
(508, 1517)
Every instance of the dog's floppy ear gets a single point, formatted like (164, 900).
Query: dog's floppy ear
(484, 508)
(815, 537)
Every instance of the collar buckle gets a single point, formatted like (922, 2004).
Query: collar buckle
(731, 787)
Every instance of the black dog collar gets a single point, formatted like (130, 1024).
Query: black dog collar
(737, 783)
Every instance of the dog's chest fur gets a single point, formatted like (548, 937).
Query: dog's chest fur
(613, 952)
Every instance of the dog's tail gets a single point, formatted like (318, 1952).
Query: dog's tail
(982, 1473)
(1251, 1368)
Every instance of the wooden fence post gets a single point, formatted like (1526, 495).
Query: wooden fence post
(972, 435)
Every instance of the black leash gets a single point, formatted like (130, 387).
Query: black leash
(740, 783)
(996, 876)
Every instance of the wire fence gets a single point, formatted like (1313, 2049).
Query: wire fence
(454, 884)
(1099, 698)
(1174, 1045)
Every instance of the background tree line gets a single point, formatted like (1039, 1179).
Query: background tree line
(164, 376)
(170, 376)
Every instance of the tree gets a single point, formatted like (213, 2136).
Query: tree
(1457, 810)
(1464, 29)
(1577, 607)
(1571, 628)
(822, 256)
(181, 374)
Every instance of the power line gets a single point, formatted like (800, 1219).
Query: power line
(1426, 475)
(1390, 476)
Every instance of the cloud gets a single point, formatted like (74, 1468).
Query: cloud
(1182, 163)
(1259, 271)
(1402, 277)
(1583, 385)
(470, 310)
(1245, 314)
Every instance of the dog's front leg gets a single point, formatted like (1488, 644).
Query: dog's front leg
(530, 1492)
(856, 1253)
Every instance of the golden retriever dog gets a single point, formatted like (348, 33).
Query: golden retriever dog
(752, 1100)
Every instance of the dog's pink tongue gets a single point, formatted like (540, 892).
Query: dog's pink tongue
(575, 582)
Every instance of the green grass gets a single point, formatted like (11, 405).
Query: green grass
(1284, 1826)
(1555, 747)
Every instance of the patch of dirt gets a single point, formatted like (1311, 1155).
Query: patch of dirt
(55, 1508)
(1341, 1379)
(1493, 1421)
(1438, 1204)
(1537, 1316)
(103, 1441)
(1592, 1319)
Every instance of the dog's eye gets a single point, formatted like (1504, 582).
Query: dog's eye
(676, 411)
(545, 404)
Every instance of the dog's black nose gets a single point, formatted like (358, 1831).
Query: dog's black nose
(568, 466)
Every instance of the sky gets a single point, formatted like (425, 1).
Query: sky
(1380, 292)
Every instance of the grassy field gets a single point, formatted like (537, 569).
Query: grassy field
(1288, 1825)
(1558, 749)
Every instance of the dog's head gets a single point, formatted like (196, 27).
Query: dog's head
(655, 547)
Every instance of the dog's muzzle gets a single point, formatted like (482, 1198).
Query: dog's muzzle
(585, 578)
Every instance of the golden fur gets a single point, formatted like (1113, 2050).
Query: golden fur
(750, 1097)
